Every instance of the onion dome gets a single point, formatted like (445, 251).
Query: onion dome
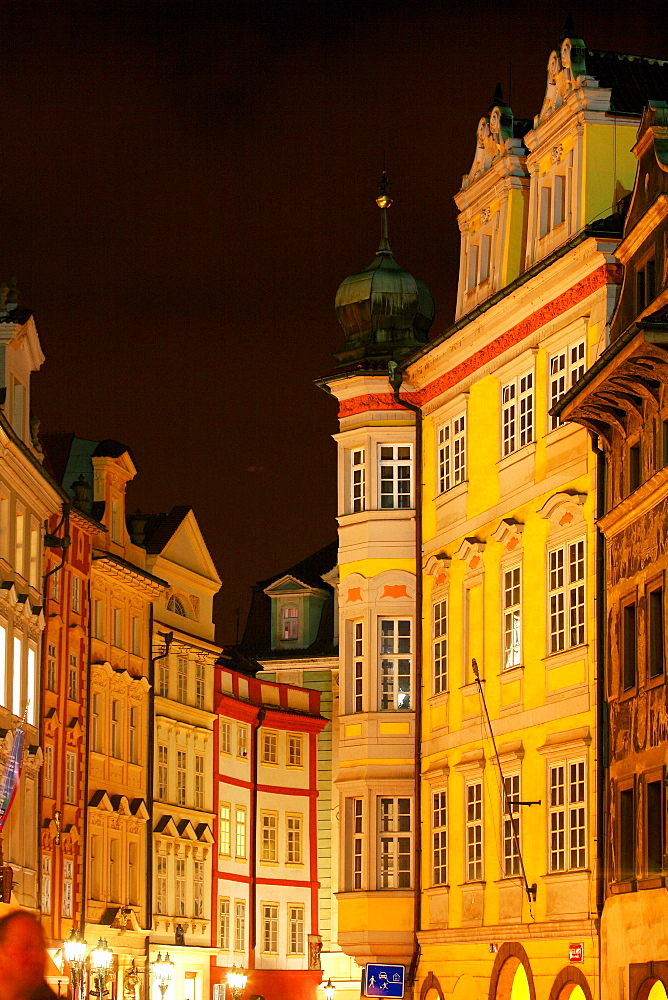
(384, 311)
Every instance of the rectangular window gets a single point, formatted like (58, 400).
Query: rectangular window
(55, 584)
(635, 467)
(31, 680)
(294, 840)
(242, 741)
(395, 843)
(512, 618)
(566, 566)
(161, 885)
(98, 619)
(199, 685)
(545, 210)
(133, 740)
(115, 729)
(474, 832)
(4, 530)
(3, 665)
(17, 667)
(452, 453)
(48, 771)
(19, 541)
(95, 723)
(225, 835)
(133, 874)
(511, 825)
(73, 678)
(51, 662)
(70, 777)
(629, 645)
(240, 831)
(439, 833)
(268, 837)
(114, 871)
(224, 923)
(182, 680)
(357, 479)
(76, 594)
(135, 636)
(645, 284)
(358, 666)
(566, 368)
(440, 646)
(269, 748)
(180, 887)
(34, 553)
(472, 267)
(270, 928)
(163, 680)
(68, 880)
(654, 827)
(198, 888)
(118, 628)
(517, 413)
(567, 816)
(162, 772)
(239, 925)
(394, 476)
(559, 208)
(96, 867)
(395, 665)
(358, 843)
(295, 929)
(46, 884)
(656, 633)
(484, 258)
(627, 834)
(199, 781)
(295, 751)
(181, 773)
(291, 623)
(225, 737)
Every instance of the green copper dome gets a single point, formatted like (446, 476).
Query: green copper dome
(384, 311)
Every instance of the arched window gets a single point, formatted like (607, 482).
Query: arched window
(176, 605)
(291, 623)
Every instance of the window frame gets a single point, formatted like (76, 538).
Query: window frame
(439, 624)
(391, 871)
(396, 480)
(511, 824)
(391, 665)
(566, 589)
(268, 837)
(574, 357)
(357, 460)
(512, 594)
(451, 453)
(518, 411)
(566, 807)
(474, 825)
(439, 836)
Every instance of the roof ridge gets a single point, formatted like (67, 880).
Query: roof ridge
(627, 55)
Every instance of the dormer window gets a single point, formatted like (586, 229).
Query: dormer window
(176, 605)
(480, 253)
(291, 623)
(552, 204)
(645, 284)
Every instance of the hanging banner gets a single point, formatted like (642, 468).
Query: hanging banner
(12, 775)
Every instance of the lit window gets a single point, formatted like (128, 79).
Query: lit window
(19, 541)
(358, 666)
(17, 667)
(225, 836)
(176, 605)
(161, 885)
(162, 771)
(198, 888)
(242, 741)
(452, 453)
(512, 618)
(517, 413)
(35, 560)
(440, 646)
(358, 842)
(358, 486)
(290, 623)
(31, 686)
(566, 368)
(567, 816)
(474, 830)
(439, 833)
(395, 664)
(395, 843)
(240, 831)
(180, 887)
(395, 476)
(566, 588)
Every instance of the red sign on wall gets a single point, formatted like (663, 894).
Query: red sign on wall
(576, 952)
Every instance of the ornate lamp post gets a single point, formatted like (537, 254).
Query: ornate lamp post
(330, 989)
(100, 960)
(75, 954)
(163, 970)
(236, 982)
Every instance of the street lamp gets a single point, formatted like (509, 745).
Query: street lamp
(330, 989)
(75, 954)
(163, 970)
(100, 960)
(236, 982)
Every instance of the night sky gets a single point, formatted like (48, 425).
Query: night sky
(183, 188)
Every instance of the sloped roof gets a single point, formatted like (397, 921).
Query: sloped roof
(310, 570)
(161, 527)
(633, 79)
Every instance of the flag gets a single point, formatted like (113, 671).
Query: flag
(10, 779)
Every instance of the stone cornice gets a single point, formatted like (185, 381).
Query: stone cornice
(632, 507)
(120, 569)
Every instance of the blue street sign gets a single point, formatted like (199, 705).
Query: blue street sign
(384, 981)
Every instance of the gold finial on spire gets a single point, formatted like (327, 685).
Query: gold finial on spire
(383, 200)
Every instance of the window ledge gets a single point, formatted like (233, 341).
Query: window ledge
(376, 514)
(511, 674)
(570, 873)
(526, 451)
(452, 493)
(617, 888)
(432, 890)
(473, 884)
(564, 656)
(439, 699)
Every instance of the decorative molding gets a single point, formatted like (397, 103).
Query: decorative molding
(509, 533)
(563, 508)
(470, 552)
(438, 566)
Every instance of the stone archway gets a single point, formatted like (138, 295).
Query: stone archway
(652, 989)
(570, 983)
(431, 988)
(512, 978)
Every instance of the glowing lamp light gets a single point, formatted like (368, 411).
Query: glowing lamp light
(163, 970)
(236, 982)
(101, 956)
(75, 949)
(330, 989)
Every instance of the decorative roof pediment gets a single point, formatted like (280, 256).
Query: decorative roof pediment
(291, 585)
(186, 830)
(203, 832)
(166, 826)
(138, 808)
(8, 593)
(101, 800)
(566, 71)
(509, 533)
(498, 135)
(470, 552)
(438, 566)
(121, 804)
(562, 508)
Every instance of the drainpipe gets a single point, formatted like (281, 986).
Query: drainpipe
(252, 847)
(395, 377)
(601, 703)
(84, 861)
(167, 637)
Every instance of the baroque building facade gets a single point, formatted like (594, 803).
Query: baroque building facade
(470, 745)
(622, 401)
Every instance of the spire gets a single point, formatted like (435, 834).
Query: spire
(569, 28)
(384, 201)
(497, 99)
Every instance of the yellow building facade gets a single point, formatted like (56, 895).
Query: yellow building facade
(469, 757)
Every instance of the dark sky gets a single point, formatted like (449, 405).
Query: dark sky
(183, 188)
